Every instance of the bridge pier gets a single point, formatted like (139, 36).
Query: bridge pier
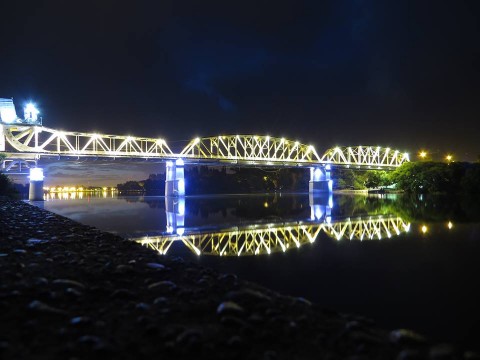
(175, 178)
(320, 181)
(35, 192)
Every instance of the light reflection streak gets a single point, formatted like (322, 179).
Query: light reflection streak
(271, 238)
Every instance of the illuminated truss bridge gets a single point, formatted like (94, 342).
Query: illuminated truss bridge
(23, 141)
(267, 239)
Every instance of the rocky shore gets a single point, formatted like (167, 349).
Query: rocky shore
(70, 291)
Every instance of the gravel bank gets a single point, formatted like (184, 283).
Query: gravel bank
(70, 291)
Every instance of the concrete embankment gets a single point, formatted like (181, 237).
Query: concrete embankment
(70, 291)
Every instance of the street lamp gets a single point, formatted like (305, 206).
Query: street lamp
(449, 158)
(422, 154)
(31, 113)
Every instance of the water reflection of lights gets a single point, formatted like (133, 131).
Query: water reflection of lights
(261, 239)
(73, 195)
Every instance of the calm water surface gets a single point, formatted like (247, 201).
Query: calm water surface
(404, 262)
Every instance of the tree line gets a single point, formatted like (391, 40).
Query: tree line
(415, 177)
(411, 177)
(214, 180)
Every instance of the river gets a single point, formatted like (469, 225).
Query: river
(404, 262)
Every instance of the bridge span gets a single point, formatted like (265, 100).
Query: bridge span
(25, 143)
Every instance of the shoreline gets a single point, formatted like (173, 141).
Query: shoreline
(69, 290)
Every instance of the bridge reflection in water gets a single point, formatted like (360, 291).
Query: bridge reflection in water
(267, 238)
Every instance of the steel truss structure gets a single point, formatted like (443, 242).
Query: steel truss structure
(45, 141)
(259, 240)
(251, 149)
(17, 166)
(39, 141)
(365, 156)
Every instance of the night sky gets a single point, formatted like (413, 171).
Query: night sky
(403, 74)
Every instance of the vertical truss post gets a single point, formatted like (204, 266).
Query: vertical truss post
(320, 181)
(175, 178)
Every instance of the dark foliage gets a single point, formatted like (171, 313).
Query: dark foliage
(7, 187)
(437, 177)
(202, 180)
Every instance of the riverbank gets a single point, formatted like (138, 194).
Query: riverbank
(70, 291)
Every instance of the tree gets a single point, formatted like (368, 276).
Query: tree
(376, 179)
(471, 181)
(6, 186)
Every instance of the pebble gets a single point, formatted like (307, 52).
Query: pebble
(123, 269)
(229, 307)
(228, 280)
(156, 266)
(163, 287)
(91, 340)
(189, 337)
(123, 294)
(233, 321)
(406, 337)
(42, 307)
(68, 282)
(73, 292)
(80, 320)
(302, 301)
(248, 296)
(34, 241)
(142, 306)
(235, 341)
(409, 354)
(161, 300)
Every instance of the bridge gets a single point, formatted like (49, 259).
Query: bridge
(26, 142)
